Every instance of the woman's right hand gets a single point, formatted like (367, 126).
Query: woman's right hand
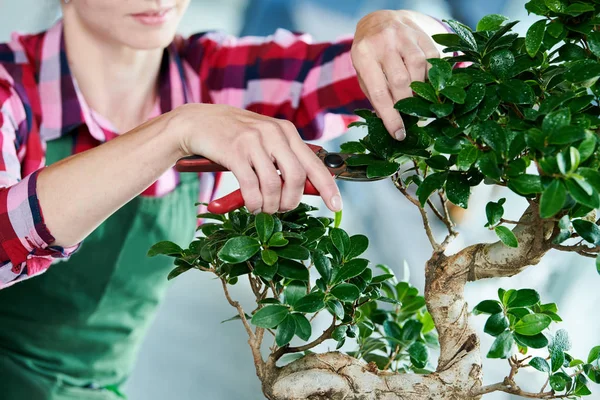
(253, 147)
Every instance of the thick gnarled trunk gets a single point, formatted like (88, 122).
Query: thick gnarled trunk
(459, 373)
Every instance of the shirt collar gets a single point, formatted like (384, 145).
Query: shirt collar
(63, 107)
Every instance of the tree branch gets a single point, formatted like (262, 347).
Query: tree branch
(241, 312)
(434, 244)
(324, 336)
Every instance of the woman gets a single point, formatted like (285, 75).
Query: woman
(109, 98)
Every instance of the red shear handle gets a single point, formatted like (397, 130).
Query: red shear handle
(234, 200)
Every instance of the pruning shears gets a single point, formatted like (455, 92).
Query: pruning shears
(335, 162)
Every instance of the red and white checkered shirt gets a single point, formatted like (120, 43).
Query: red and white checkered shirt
(283, 76)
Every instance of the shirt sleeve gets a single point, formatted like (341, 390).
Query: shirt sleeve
(25, 240)
(284, 75)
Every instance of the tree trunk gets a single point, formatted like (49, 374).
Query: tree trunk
(459, 372)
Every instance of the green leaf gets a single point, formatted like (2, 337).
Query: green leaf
(392, 330)
(556, 119)
(502, 346)
(265, 271)
(178, 271)
(293, 252)
(340, 239)
(582, 71)
(430, 184)
(458, 189)
(488, 165)
(552, 200)
(560, 342)
(534, 37)
(381, 168)
(264, 227)
(292, 270)
(358, 245)
(491, 22)
(414, 106)
(501, 62)
(337, 221)
(310, 303)
(494, 136)
(285, 331)
(487, 307)
(467, 157)
(566, 135)
(419, 354)
(532, 324)
(352, 148)
(525, 298)
(294, 291)
(425, 90)
(269, 257)
(506, 236)
(270, 316)
(437, 162)
(538, 341)
(516, 91)
(464, 33)
(587, 230)
(583, 192)
(447, 39)
(322, 264)
(593, 355)
(303, 327)
(594, 43)
(346, 292)
(167, 248)
(475, 96)
(442, 110)
(540, 364)
(336, 308)
(454, 93)
(558, 382)
(576, 9)
(496, 324)
(439, 73)
(349, 270)
(239, 249)
(278, 240)
(526, 184)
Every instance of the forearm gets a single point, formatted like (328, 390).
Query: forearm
(78, 193)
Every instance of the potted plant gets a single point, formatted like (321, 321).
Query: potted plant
(523, 115)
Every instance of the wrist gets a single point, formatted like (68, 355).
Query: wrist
(178, 130)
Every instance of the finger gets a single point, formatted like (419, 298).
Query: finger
(415, 61)
(292, 171)
(429, 48)
(318, 175)
(270, 181)
(397, 76)
(379, 94)
(249, 185)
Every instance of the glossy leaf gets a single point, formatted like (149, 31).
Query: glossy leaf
(501, 348)
(491, 22)
(487, 307)
(496, 324)
(303, 327)
(532, 324)
(419, 354)
(552, 200)
(587, 230)
(430, 184)
(264, 226)
(506, 236)
(239, 249)
(310, 303)
(534, 37)
(458, 189)
(346, 292)
(285, 331)
(166, 248)
(540, 364)
(270, 316)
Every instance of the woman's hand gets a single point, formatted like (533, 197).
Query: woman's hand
(253, 146)
(390, 51)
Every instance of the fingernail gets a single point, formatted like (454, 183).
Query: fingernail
(257, 211)
(336, 202)
(400, 134)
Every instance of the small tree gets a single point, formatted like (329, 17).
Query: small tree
(524, 115)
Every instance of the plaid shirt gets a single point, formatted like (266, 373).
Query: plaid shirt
(283, 76)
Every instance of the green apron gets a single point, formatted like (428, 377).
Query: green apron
(74, 331)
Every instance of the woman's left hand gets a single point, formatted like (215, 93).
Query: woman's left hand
(390, 51)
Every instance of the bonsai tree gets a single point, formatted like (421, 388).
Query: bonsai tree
(523, 115)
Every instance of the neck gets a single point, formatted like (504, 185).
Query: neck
(117, 82)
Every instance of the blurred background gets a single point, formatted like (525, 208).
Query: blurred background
(188, 354)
